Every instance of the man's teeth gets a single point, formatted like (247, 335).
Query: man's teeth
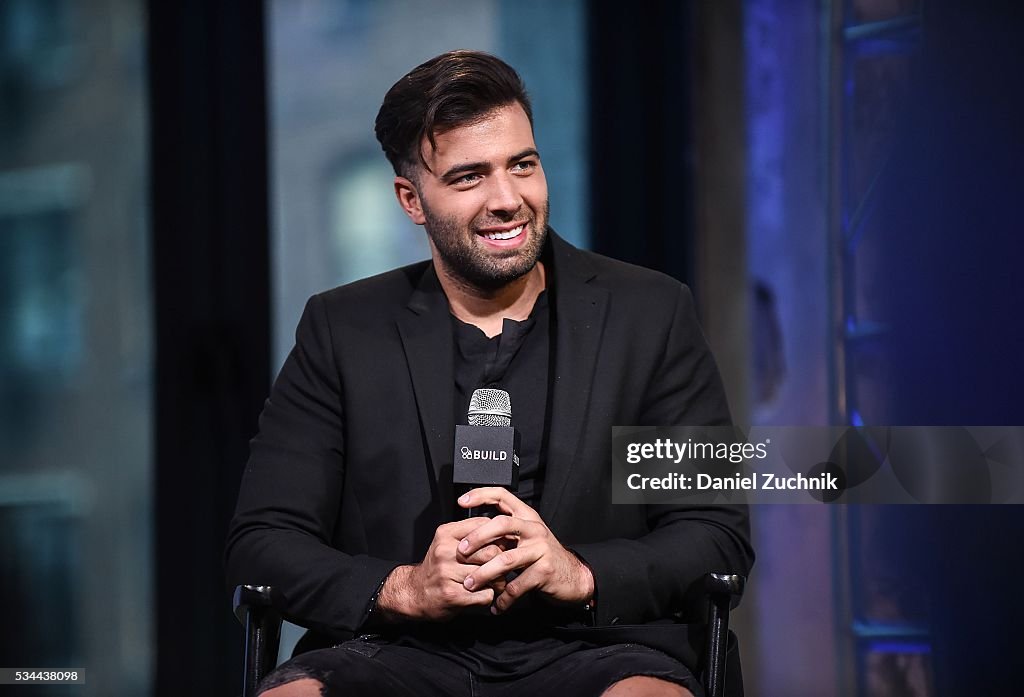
(514, 232)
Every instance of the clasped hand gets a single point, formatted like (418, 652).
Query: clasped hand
(468, 561)
(544, 564)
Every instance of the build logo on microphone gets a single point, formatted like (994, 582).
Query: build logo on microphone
(496, 455)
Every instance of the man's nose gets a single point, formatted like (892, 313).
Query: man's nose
(504, 196)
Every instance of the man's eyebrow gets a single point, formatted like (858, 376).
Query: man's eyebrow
(465, 167)
(476, 166)
(529, 152)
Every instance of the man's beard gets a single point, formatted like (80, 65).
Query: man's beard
(473, 264)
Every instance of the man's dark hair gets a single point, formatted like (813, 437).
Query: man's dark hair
(454, 89)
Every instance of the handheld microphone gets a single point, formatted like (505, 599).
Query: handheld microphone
(487, 450)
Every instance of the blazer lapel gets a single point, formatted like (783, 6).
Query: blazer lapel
(426, 334)
(580, 310)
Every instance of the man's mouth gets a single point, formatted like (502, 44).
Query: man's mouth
(505, 234)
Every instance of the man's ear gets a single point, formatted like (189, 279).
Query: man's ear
(409, 199)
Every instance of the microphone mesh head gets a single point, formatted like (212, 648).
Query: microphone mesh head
(490, 407)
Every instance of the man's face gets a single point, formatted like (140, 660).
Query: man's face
(484, 200)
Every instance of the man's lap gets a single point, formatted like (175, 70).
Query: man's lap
(371, 668)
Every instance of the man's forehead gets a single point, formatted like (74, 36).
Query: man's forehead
(494, 138)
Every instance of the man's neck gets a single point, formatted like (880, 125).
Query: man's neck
(487, 310)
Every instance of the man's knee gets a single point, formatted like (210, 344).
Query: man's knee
(645, 686)
(303, 687)
(292, 680)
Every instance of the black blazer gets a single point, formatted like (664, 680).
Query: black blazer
(351, 471)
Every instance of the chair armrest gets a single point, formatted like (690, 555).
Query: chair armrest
(723, 590)
(254, 608)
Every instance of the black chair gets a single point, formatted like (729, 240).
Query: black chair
(254, 608)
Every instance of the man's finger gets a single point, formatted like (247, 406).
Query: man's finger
(505, 500)
(460, 528)
(483, 597)
(525, 582)
(498, 567)
(484, 554)
(459, 572)
(496, 529)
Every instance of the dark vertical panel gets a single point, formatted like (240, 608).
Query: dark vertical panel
(955, 193)
(957, 341)
(640, 134)
(719, 241)
(210, 257)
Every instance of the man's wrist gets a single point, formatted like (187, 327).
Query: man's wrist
(394, 601)
(586, 585)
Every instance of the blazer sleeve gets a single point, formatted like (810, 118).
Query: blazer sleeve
(658, 575)
(291, 490)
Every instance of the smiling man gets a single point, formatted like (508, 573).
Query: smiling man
(347, 506)
(483, 199)
(480, 192)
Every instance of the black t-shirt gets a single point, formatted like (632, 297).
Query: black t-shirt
(516, 360)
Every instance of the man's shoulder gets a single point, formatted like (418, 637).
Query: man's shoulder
(372, 294)
(616, 270)
(619, 277)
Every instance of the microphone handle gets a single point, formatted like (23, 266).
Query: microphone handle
(488, 511)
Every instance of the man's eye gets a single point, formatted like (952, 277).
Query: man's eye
(466, 178)
(524, 166)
